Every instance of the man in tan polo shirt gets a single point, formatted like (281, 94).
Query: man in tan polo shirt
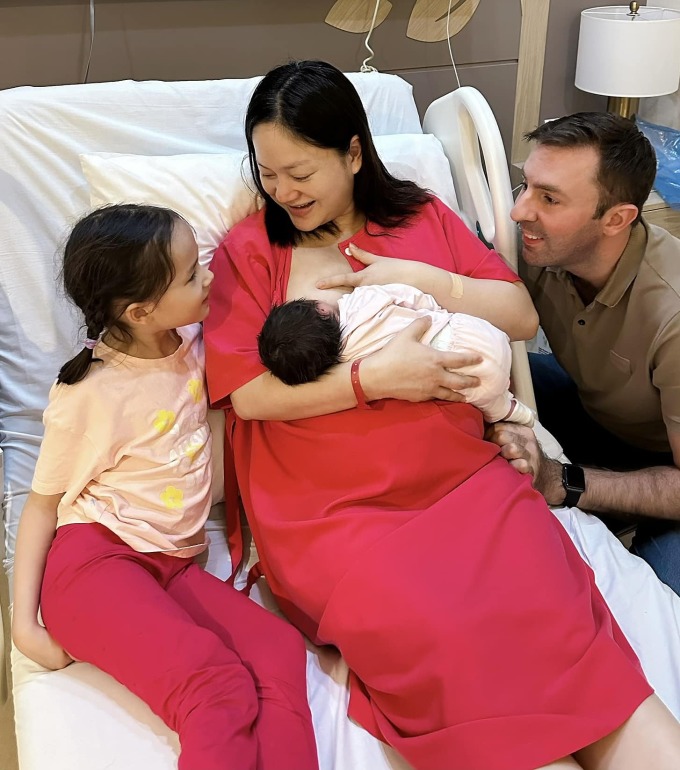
(607, 289)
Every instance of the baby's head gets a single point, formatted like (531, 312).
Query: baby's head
(301, 340)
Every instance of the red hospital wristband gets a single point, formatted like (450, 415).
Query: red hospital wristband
(356, 385)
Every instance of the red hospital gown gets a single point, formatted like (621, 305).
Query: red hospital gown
(473, 629)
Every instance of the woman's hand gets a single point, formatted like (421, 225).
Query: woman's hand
(379, 270)
(505, 305)
(36, 643)
(408, 370)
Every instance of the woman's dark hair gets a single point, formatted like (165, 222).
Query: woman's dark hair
(315, 102)
(627, 160)
(115, 256)
(298, 343)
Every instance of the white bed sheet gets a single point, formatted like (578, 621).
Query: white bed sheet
(646, 609)
(79, 718)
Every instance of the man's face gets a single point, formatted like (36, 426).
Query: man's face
(555, 210)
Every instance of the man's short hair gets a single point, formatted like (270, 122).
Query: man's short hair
(627, 160)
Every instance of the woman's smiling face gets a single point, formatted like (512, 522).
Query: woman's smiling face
(314, 185)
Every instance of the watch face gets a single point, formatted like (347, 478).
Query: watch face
(574, 483)
(574, 478)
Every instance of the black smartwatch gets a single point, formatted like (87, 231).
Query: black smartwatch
(574, 483)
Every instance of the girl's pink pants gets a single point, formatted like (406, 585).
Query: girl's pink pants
(221, 671)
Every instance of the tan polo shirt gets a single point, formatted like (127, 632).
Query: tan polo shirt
(623, 349)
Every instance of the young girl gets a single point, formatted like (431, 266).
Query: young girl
(124, 477)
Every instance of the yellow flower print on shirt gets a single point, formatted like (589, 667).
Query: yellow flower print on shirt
(172, 498)
(195, 388)
(194, 447)
(164, 420)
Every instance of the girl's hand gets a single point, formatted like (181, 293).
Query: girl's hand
(36, 643)
(408, 370)
(379, 270)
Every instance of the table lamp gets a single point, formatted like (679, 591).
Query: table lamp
(628, 52)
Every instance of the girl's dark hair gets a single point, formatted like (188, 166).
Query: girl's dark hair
(298, 343)
(315, 102)
(114, 256)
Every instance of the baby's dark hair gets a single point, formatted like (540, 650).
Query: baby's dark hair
(298, 343)
(114, 256)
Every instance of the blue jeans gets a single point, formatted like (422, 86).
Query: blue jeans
(586, 442)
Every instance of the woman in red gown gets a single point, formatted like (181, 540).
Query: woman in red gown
(385, 524)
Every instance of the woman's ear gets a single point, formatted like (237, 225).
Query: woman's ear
(355, 154)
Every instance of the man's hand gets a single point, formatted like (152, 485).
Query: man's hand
(36, 644)
(521, 449)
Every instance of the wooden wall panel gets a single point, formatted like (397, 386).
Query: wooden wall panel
(44, 43)
(560, 96)
(496, 81)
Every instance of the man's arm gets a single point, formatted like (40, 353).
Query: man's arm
(646, 492)
(653, 492)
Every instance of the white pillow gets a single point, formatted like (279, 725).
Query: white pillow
(208, 190)
(420, 158)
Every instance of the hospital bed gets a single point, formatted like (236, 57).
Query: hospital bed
(66, 148)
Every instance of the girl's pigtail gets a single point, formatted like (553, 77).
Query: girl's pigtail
(77, 368)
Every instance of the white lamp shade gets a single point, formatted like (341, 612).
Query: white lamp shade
(619, 55)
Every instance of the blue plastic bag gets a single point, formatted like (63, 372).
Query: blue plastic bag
(666, 144)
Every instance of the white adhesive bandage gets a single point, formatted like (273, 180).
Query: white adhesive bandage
(456, 286)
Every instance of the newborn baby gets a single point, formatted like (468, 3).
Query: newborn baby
(303, 338)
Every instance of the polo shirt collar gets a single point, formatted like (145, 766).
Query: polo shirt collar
(626, 268)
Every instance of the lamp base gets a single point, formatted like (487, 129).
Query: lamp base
(625, 106)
